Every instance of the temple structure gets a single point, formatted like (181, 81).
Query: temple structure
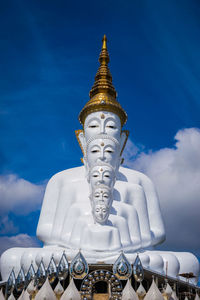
(99, 219)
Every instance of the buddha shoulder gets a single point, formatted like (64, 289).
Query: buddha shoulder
(68, 175)
(132, 176)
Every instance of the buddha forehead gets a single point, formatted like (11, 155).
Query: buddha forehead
(102, 116)
(101, 206)
(102, 190)
(102, 187)
(102, 168)
(102, 142)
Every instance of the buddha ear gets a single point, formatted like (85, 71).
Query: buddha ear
(124, 138)
(81, 140)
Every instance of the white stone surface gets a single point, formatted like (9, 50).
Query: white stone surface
(71, 292)
(31, 288)
(196, 297)
(168, 290)
(45, 292)
(141, 292)
(11, 297)
(153, 293)
(128, 292)
(174, 296)
(24, 295)
(1, 295)
(58, 289)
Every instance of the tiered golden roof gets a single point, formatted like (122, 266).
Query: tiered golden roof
(103, 94)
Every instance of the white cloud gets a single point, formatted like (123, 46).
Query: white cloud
(18, 195)
(131, 151)
(20, 240)
(7, 226)
(176, 175)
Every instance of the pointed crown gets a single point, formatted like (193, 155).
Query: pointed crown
(103, 94)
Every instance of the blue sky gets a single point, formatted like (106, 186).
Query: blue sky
(49, 56)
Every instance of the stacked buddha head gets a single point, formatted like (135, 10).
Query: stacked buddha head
(102, 140)
(101, 201)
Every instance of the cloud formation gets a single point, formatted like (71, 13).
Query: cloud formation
(7, 226)
(176, 175)
(20, 240)
(18, 195)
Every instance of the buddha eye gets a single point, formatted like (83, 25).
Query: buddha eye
(109, 151)
(106, 195)
(111, 125)
(95, 175)
(95, 150)
(107, 175)
(93, 126)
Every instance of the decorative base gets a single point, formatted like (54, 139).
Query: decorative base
(100, 296)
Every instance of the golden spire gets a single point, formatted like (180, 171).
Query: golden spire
(103, 94)
(104, 46)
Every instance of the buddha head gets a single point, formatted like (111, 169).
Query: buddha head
(101, 194)
(102, 149)
(101, 173)
(100, 213)
(102, 122)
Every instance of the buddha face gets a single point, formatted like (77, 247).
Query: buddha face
(100, 213)
(102, 195)
(102, 122)
(102, 175)
(102, 150)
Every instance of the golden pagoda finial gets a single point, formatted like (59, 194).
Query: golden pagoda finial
(103, 94)
(104, 46)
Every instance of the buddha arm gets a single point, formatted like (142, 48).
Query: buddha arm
(154, 211)
(48, 210)
(136, 197)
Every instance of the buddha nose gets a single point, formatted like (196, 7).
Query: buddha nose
(102, 156)
(101, 178)
(102, 128)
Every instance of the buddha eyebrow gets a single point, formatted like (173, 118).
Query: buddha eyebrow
(110, 119)
(93, 119)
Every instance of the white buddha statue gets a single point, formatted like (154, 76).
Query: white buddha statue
(133, 222)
